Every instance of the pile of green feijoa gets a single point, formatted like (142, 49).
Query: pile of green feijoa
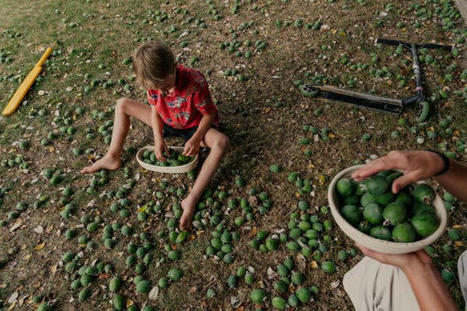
(371, 207)
(175, 158)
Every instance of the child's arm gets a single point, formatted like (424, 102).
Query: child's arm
(192, 145)
(157, 126)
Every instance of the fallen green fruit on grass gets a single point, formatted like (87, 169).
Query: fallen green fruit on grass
(44, 307)
(143, 286)
(119, 302)
(279, 303)
(328, 266)
(257, 295)
(84, 294)
(274, 168)
(175, 274)
(303, 294)
(114, 284)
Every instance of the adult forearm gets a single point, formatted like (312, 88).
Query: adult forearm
(204, 125)
(455, 180)
(429, 288)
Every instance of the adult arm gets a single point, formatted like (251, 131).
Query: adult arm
(418, 165)
(157, 126)
(193, 144)
(429, 288)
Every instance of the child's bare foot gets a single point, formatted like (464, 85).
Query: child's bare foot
(188, 206)
(109, 162)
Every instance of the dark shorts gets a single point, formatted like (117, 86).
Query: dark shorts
(186, 134)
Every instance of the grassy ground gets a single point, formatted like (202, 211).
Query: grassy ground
(65, 121)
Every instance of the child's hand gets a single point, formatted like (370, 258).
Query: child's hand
(159, 149)
(192, 147)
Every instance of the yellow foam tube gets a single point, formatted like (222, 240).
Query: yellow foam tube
(25, 85)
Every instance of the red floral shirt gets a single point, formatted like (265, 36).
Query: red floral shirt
(184, 107)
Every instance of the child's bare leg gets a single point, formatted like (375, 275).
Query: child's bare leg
(124, 108)
(218, 143)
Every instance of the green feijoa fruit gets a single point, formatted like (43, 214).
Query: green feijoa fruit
(377, 185)
(373, 214)
(317, 226)
(449, 197)
(295, 233)
(163, 282)
(75, 284)
(232, 281)
(241, 271)
(272, 244)
(139, 268)
(279, 303)
(143, 286)
(274, 168)
(454, 234)
(292, 176)
(385, 198)
(175, 274)
(249, 278)
(430, 250)
(352, 200)
(44, 307)
(364, 227)
(289, 263)
(174, 255)
(147, 308)
(293, 301)
(119, 302)
(210, 293)
(420, 207)
(423, 193)
(303, 205)
(425, 224)
(342, 254)
(181, 237)
(352, 214)
(130, 261)
(380, 232)
(404, 198)
(280, 287)
(92, 227)
(257, 295)
(303, 294)
(345, 187)
(70, 234)
(328, 267)
(367, 198)
(226, 248)
(282, 270)
(298, 278)
(109, 243)
(447, 275)
(84, 294)
(404, 232)
(293, 246)
(126, 230)
(395, 213)
(67, 257)
(304, 225)
(360, 188)
(115, 284)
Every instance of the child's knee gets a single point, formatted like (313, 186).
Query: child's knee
(222, 143)
(122, 104)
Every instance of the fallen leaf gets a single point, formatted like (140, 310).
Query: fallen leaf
(51, 148)
(13, 297)
(458, 244)
(38, 229)
(456, 226)
(40, 246)
(154, 293)
(314, 264)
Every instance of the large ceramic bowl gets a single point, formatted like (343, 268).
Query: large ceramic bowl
(166, 169)
(378, 245)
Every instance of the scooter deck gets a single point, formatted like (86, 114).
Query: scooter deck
(365, 100)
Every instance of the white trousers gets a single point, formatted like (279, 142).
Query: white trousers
(373, 286)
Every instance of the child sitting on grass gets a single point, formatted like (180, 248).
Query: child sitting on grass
(180, 105)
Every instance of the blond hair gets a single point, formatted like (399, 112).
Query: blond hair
(153, 62)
